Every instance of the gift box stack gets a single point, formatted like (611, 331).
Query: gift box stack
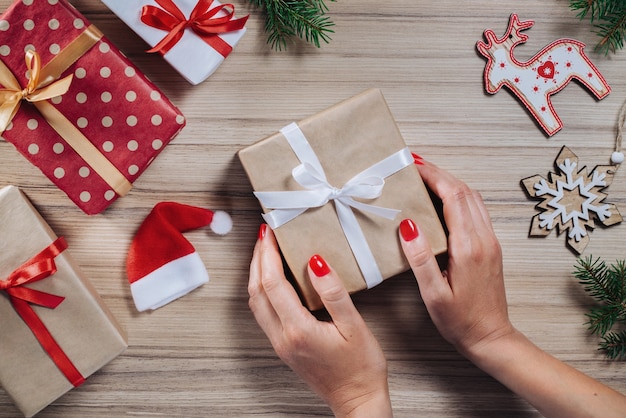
(75, 107)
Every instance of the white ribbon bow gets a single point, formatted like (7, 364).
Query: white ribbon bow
(368, 184)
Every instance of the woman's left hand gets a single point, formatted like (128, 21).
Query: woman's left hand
(339, 359)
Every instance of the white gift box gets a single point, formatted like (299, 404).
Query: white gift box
(192, 57)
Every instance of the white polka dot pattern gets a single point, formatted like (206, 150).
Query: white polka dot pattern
(113, 104)
(59, 172)
(107, 146)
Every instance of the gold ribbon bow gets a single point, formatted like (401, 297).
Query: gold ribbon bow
(43, 84)
(12, 95)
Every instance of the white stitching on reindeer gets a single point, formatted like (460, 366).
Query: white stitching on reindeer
(545, 74)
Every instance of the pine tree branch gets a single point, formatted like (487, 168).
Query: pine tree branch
(592, 274)
(285, 19)
(614, 344)
(610, 16)
(595, 8)
(607, 285)
(612, 33)
(602, 319)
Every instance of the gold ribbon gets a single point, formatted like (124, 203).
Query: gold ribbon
(43, 84)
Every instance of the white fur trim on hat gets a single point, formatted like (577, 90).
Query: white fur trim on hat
(157, 288)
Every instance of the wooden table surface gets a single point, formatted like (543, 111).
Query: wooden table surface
(204, 355)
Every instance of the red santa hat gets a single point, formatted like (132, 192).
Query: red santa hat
(162, 265)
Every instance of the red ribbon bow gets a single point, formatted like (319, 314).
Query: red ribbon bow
(201, 21)
(38, 268)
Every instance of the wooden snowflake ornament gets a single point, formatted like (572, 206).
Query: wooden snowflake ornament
(534, 81)
(571, 200)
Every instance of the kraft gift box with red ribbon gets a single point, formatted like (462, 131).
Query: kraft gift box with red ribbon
(55, 329)
(75, 107)
(338, 184)
(194, 36)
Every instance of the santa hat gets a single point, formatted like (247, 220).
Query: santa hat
(162, 264)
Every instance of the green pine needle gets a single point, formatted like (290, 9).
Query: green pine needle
(607, 285)
(595, 8)
(614, 344)
(609, 20)
(285, 19)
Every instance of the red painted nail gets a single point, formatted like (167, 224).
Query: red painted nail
(408, 230)
(417, 159)
(262, 231)
(319, 266)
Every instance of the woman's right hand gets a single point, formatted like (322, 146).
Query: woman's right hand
(467, 301)
(468, 305)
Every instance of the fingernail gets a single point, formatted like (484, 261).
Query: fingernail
(408, 230)
(417, 159)
(319, 266)
(262, 231)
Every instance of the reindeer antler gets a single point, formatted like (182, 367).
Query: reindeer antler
(516, 25)
(511, 38)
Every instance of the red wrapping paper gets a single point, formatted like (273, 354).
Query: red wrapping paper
(110, 101)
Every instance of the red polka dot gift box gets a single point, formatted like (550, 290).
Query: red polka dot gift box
(74, 105)
(194, 36)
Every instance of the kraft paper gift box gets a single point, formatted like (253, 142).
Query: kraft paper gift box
(84, 329)
(202, 46)
(92, 134)
(349, 138)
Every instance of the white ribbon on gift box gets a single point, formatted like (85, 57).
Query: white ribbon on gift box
(368, 184)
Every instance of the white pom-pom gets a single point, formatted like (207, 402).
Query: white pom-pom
(221, 223)
(617, 157)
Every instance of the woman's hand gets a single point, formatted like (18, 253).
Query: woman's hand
(467, 301)
(340, 360)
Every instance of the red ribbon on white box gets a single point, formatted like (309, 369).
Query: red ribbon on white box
(203, 20)
(368, 184)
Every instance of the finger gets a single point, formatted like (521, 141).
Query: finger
(254, 279)
(464, 209)
(477, 218)
(437, 179)
(453, 193)
(334, 295)
(420, 256)
(280, 293)
(258, 301)
(484, 213)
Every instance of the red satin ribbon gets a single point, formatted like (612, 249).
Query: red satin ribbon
(38, 268)
(201, 21)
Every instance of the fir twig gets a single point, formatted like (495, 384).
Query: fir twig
(305, 19)
(614, 344)
(607, 285)
(595, 8)
(612, 32)
(609, 19)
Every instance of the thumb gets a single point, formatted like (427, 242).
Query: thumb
(420, 256)
(331, 290)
